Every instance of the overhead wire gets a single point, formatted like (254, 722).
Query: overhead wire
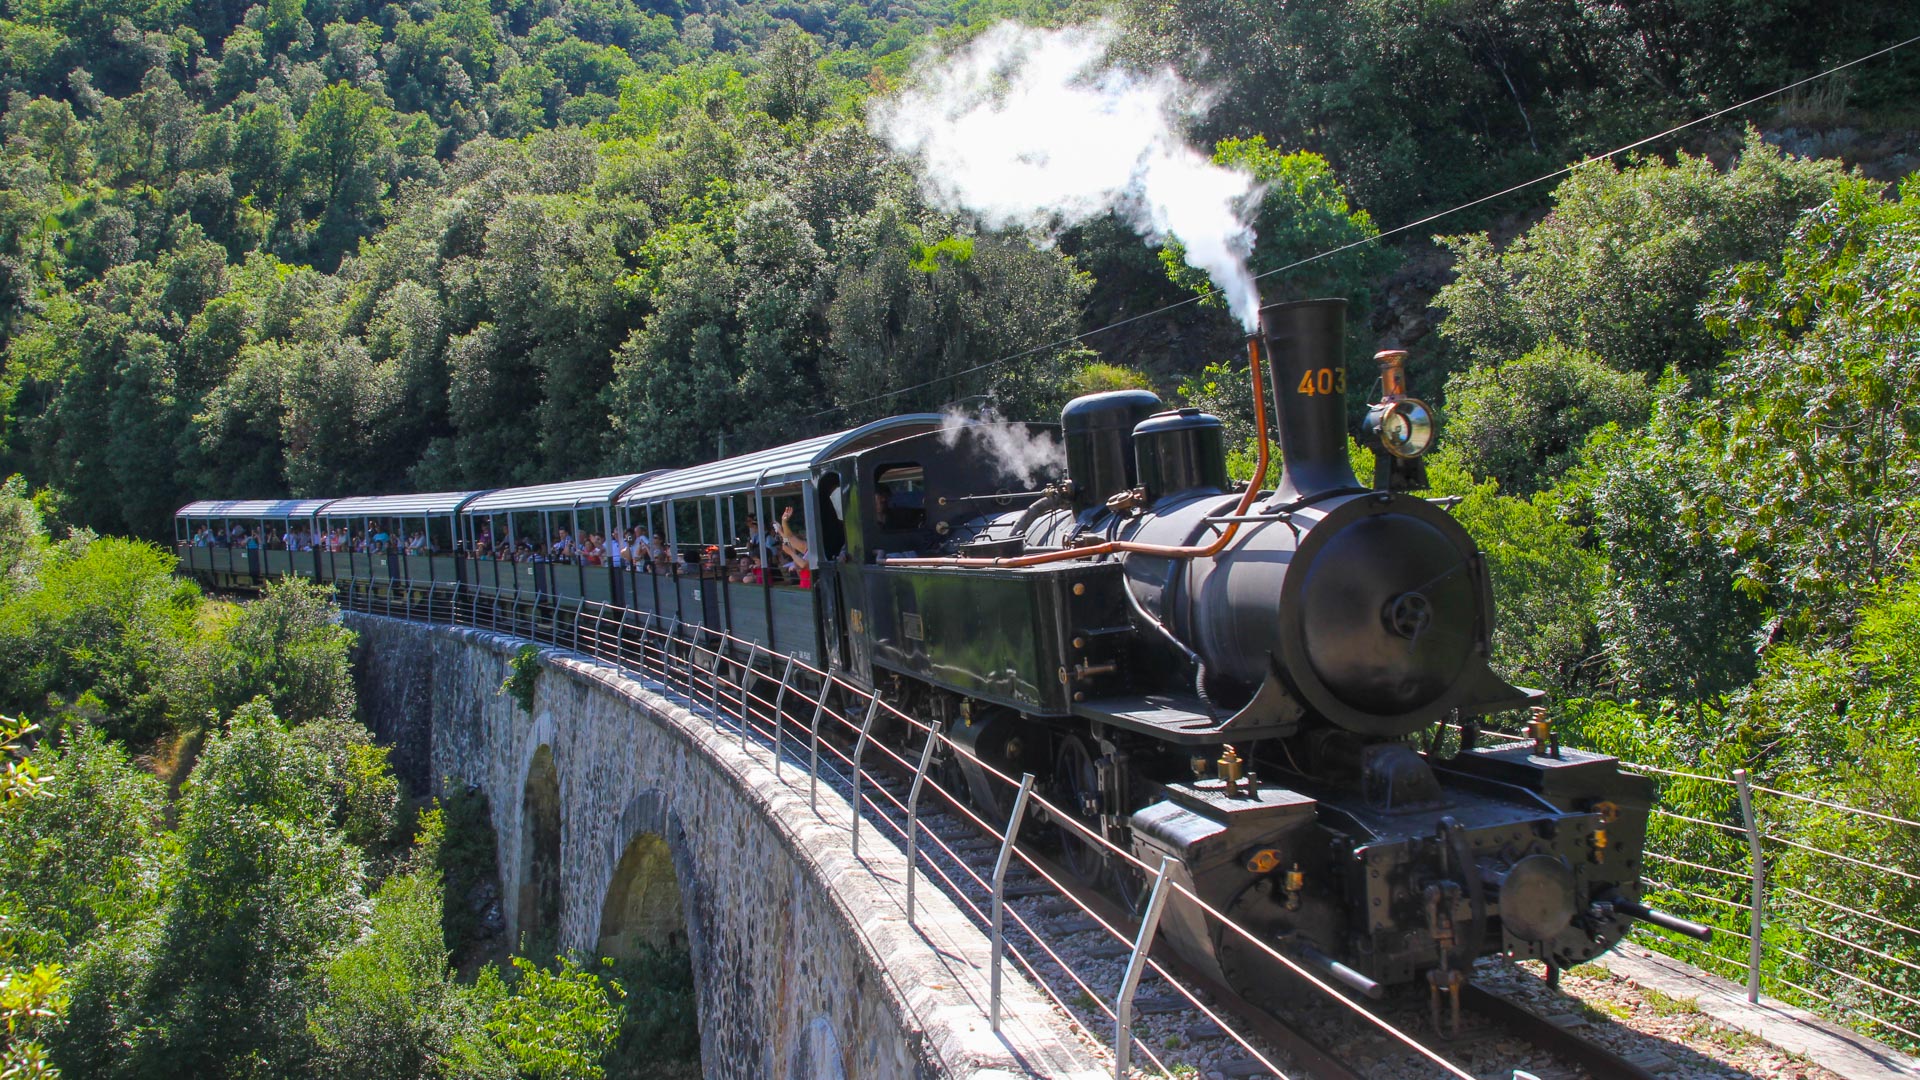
(1375, 238)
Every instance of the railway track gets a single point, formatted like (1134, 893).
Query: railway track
(1497, 1036)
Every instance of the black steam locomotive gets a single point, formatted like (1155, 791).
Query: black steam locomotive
(1253, 681)
(1241, 680)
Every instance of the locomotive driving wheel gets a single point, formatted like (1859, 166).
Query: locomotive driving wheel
(1077, 779)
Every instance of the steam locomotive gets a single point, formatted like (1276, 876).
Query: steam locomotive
(1251, 681)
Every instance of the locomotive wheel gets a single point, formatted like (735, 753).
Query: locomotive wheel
(1078, 782)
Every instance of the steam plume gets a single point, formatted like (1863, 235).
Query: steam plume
(1032, 459)
(1034, 128)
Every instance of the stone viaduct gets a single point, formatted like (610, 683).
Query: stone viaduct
(623, 818)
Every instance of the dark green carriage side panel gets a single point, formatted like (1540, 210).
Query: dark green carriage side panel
(566, 579)
(596, 583)
(1002, 634)
(275, 564)
(795, 623)
(747, 608)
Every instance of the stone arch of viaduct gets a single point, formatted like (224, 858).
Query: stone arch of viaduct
(622, 819)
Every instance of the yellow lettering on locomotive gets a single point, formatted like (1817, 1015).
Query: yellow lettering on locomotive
(1322, 381)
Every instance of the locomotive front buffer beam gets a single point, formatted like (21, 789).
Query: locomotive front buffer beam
(1364, 900)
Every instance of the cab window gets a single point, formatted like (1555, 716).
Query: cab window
(900, 497)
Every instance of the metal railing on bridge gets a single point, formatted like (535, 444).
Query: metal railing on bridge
(1825, 914)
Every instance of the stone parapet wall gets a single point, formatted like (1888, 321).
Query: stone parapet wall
(803, 960)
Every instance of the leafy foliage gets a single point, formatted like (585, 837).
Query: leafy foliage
(1546, 581)
(270, 920)
(523, 673)
(1619, 268)
(554, 1024)
(105, 631)
(1524, 422)
(339, 249)
(288, 647)
(1421, 106)
(1818, 427)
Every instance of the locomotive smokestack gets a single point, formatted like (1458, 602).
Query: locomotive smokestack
(1306, 351)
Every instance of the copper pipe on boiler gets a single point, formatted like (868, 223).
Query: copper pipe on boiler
(1165, 551)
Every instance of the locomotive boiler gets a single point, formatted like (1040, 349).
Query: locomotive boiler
(1253, 681)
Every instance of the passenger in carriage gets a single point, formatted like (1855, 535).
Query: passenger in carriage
(747, 569)
(203, 538)
(616, 550)
(793, 547)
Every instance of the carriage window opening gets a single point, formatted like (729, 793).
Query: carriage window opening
(689, 521)
(900, 497)
(831, 505)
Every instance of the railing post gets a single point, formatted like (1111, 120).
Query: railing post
(1759, 871)
(780, 715)
(813, 745)
(748, 677)
(579, 612)
(666, 650)
(1000, 897)
(713, 683)
(913, 813)
(1136, 966)
(859, 751)
(646, 638)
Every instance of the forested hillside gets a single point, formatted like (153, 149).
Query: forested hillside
(339, 247)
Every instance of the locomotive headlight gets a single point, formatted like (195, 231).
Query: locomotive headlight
(1406, 427)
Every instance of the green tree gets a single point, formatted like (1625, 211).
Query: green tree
(105, 631)
(342, 154)
(392, 1007)
(83, 854)
(1621, 265)
(1303, 211)
(1546, 582)
(915, 305)
(1522, 423)
(30, 997)
(554, 1024)
(1672, 624)
(265, 893)
(287, 647)
(1816, 423)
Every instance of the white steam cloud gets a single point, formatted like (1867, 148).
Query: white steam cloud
(1035, 128)
(1032, 458)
